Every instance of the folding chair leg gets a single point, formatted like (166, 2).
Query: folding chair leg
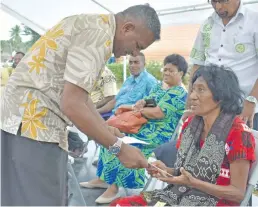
(79, 197)
(147, 184)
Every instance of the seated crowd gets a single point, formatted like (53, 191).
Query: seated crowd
(215, 149)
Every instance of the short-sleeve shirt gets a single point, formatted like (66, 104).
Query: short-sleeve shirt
(240, 144)
(135, 88)
(106, 86)
(234, 45)
(74, 50)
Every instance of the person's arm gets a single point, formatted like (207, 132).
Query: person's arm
(104, 101)
(81, 73)
(108, 107)
(235, 192)
(248, 112)
(254, 91)
(82, 115)
(152, 112)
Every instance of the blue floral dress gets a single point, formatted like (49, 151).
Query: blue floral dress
(156, 132)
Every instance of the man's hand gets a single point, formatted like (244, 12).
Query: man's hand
(248, 113)
(131, 157)
(115, 131)
(154, 172)
(184, 179)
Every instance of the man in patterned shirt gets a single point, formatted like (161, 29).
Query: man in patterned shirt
(50, 89)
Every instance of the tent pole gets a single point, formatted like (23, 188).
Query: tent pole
(37, 28)
(124, 68)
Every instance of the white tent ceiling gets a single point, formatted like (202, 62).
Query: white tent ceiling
(41, 15)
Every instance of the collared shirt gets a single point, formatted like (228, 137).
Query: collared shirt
(135, 89)
(234, 45)
(74, 50)
(105, 87)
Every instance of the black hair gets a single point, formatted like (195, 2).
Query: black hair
(224, 86)
(17, 53)
(177, 60)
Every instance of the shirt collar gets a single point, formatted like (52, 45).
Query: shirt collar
(139, 78)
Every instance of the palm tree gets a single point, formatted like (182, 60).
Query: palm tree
(15, 39)
(34, 36)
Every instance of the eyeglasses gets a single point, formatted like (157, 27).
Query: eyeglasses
(218, 1)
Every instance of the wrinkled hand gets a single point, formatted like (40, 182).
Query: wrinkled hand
(154, 172)
(131, 157)
(139, 105)
(186, 114)
(248, 112)
(115, 131)
(184, 179)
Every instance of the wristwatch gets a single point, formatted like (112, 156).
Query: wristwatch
(252, 99)
(115, 149)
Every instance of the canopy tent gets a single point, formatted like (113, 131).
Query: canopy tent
(42, 15)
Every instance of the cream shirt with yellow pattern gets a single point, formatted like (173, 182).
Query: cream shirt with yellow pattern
(74, 50)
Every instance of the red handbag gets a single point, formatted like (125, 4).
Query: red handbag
(127, 121)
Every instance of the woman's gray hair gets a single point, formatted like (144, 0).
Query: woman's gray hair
(147, 15)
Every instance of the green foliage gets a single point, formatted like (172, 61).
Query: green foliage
(153, 67)
(15, 42)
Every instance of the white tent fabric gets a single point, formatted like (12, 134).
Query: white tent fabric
(41, 15)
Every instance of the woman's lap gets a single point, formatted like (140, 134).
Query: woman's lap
(113, 172)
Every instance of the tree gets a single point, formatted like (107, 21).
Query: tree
(16, 39)
(34, 36)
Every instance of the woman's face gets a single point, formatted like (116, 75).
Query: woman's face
(171, 75)
(201, 98)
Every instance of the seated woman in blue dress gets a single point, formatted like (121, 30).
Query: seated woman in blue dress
(170, 97)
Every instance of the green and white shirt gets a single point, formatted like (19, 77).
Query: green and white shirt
(234, 45)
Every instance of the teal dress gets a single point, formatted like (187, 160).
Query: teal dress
(156, 132)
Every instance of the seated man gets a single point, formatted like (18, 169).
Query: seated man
(134, 88)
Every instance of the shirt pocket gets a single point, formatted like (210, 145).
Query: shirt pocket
(244, 44)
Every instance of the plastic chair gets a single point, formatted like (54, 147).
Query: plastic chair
(253, 174)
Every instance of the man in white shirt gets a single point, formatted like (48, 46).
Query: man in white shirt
(229, 38)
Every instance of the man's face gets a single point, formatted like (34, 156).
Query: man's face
(225, 8)
(131, 39)
(17, 58)
(136, 65)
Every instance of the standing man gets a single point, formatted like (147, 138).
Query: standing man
(229, 37)
(50, 90)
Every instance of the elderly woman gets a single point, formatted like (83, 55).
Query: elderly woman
(170, 98)
(215, 148)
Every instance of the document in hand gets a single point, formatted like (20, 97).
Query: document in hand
(132, 140)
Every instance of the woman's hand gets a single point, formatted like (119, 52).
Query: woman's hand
(154, 172)
(184, 179)
(139, 105)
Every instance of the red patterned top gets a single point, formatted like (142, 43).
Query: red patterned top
(240, 144)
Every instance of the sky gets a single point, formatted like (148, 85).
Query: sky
(7, 22)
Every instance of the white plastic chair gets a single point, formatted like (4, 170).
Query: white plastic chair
(253, 174)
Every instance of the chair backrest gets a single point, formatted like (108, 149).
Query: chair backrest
(253, 174)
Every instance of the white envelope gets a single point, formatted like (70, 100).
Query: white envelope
(132, 140)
